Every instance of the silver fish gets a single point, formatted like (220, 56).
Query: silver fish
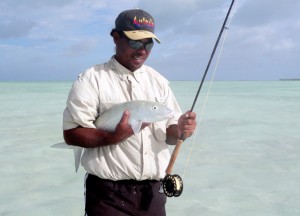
(140, 112)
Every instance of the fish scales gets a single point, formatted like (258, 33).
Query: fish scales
(110, 118)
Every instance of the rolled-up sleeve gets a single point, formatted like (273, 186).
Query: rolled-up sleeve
(82, 105)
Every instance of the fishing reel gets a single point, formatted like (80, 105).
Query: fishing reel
(172, 185)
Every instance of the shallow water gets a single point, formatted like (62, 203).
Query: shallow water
(243, 160)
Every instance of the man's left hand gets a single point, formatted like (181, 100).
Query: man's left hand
(186, 124)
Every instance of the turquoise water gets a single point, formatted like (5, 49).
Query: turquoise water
(244, 158)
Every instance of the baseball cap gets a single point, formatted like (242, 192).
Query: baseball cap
(136, 24)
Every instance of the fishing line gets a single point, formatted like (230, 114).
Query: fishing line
(172, 184)
(209, 89)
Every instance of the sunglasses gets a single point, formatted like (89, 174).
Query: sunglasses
(136, 44)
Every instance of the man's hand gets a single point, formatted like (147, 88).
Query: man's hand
(186, 124)
(123, 130)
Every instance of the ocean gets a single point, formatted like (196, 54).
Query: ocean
(244, 158)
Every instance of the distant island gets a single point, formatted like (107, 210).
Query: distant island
(289, 79)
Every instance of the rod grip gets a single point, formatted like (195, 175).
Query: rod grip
(174, 156)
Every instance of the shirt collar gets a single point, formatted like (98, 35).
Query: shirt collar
(123, 72)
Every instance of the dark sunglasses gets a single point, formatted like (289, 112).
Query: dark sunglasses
(136, 44)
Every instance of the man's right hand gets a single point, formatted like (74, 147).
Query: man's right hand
(123, 130)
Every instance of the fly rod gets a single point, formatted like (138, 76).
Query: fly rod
(173, 184)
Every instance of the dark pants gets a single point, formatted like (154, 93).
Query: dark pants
(123, 198)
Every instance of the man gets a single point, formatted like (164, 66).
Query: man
(124, 169)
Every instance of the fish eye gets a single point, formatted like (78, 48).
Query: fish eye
(155, 108)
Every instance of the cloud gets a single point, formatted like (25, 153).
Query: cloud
(263, 35)
(16, 28)
(81, 48)
(185, 17)
(33, 4)
(253, 13)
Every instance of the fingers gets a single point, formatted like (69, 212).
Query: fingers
(190, 115)
(187, 124)
(188, 119)
(123, 130)
(124, 122)
(125, 117)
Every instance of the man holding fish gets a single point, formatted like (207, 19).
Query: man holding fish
(124, 114)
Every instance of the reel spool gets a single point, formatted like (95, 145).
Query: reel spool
(172, 185)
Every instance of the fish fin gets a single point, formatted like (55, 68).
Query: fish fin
(76, 150)
(136, 125)
(62, 145)
(77, 156)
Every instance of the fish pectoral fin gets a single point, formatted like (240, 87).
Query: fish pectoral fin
(136, 125)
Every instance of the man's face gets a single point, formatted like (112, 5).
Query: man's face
(129, 57)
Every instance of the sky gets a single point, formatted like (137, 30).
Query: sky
(55, 40)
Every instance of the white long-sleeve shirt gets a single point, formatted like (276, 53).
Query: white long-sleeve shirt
(144, 155)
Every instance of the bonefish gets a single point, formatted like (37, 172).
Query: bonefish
(140, 112)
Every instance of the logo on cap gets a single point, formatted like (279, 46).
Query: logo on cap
(143, 22)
